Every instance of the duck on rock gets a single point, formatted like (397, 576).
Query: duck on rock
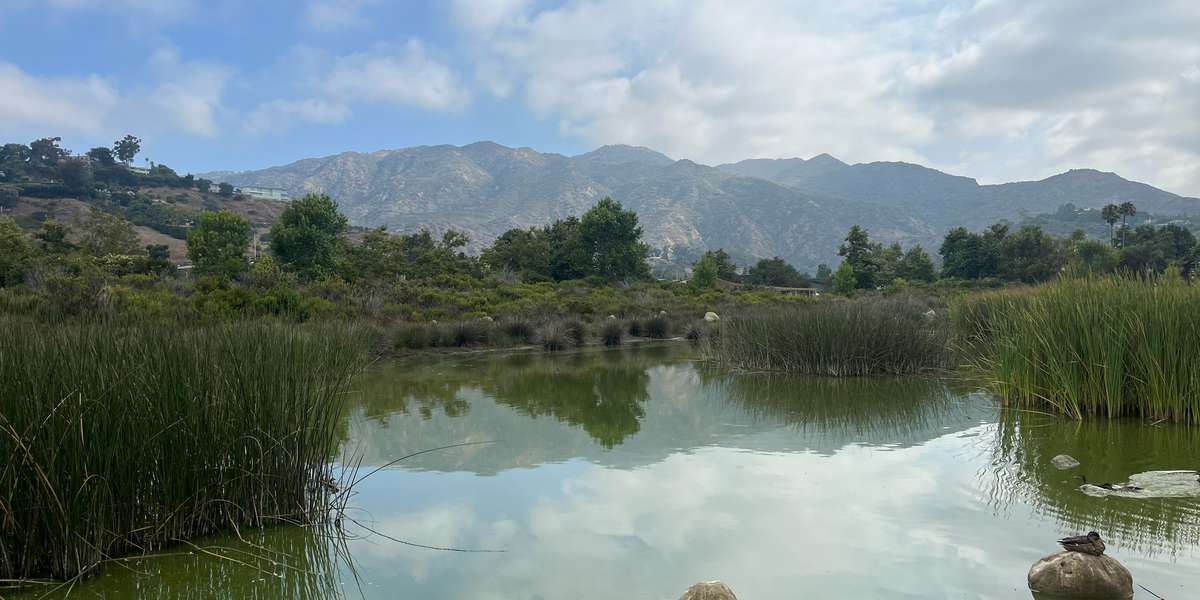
(1087, 544)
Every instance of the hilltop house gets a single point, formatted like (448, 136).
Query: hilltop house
(270, 193)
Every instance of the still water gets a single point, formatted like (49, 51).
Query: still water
(633, 474)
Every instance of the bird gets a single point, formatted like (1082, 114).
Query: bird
(1087, 544)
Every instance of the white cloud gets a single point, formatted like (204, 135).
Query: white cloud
(333, 15)
(178, 97)
(31, 103)
(397, 75)
(1003, 89)
(278, 115)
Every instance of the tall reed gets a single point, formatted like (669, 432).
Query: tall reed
(1115, 346)
(843, 338)
(125, 439)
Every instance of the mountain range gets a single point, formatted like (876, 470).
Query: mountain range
(795, 208)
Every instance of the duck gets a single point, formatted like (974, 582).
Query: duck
(1116, 487)
(1087, 544)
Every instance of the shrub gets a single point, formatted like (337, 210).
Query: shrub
(575, 331)
(518, 330)
(635, 328)
(468, 333)
(657, 327)
(553, 337)
(610, 333)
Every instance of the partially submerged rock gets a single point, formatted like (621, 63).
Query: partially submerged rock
(1062, 462)
(1150, 484)
(708, 590)
(711, 316)
(1078, 575)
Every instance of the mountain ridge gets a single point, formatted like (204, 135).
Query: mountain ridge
(795, 208)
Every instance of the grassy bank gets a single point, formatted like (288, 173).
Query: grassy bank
(1110, 346)
(840, 338)
(125, 439)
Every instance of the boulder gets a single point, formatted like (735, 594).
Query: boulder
(612, 317)
(1078, 575)
(708, 590)
(1062, 462)
(930, 314)
(711, 316)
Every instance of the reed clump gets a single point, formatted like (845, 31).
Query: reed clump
(1116, 346)
(872, 336)
(118, 440)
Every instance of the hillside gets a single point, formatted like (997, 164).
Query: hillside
(798, 209)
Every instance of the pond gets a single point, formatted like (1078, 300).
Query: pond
(633, 474)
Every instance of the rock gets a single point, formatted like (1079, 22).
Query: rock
(612, 316)
(662, 313)
(1062, 462)
(708, 590)
(1150, 484)
(434, 321)
(1078, 575)
(487, 319)
(930, 314)
(711, 316)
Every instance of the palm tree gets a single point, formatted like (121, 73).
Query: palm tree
(1127, 209)
(1111, 213)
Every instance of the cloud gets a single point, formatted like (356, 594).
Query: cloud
(334, 15)
(144, 10)
(178, 97)
(399, 76)
(1003, 89)
(38, 103)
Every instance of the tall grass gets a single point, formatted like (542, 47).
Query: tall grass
(846, 338)
(1114, 346)
(125, 439)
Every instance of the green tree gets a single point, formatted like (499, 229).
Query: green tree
(76, 174)
(916, 265)
(53, 237)
(14, 161)
(1126, 209)
(776, 272)
(305, 236)
(102, 156)
(824, 273)
(968, 255)
(887, 262)
(217, 244)
(1111, 213)
(225, 189)
(1030, 255)
(612, 240)
(726, 270)
(104, 234)
(127, 148)
(15, 253)
(203, 185)
(844, 280)
(1092, 257)
(45, 153)
(857, 251)
(704, 272)
(158, 259)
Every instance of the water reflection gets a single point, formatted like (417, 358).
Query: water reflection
(1110, 451)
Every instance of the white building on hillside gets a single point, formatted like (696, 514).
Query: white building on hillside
(270, 193)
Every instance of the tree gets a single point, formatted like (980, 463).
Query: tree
(102, 156)
(1092, 257)
(76, 174)
(824, 273)
(103, 235)
(158, 259)
(857, 251)
(217, 244)
(704, 272)
(225, 189)
(1030, 255)
(14, 161)
(45, 153)
(726, 270)
(612, 240)
(203, 185)
(1152, 249)
(127, 148)
(968, 255)
(844, 280)
(1111, 214)
(916, 266)
(776, 272)
(887, 262)
(305, 236)
(1126, 209)
(52, 236)
(15, 253)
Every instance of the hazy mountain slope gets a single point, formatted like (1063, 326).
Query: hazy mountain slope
(798, 209)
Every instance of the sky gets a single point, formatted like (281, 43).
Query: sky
(999, 90)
